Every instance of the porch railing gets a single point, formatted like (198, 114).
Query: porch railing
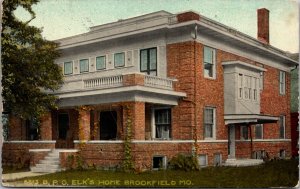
(158, 82)
(104, 82)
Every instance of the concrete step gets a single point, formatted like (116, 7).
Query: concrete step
(52, 158)
(45, 161)
(44, 170)
(243, 162)
(50, 166)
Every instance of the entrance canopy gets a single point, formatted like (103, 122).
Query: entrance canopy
(249, 118)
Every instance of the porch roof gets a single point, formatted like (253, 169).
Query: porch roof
(249, 118)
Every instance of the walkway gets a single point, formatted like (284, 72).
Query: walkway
(10, 179)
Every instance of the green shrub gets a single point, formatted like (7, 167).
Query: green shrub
(184, 162)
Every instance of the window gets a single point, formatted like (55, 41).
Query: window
(202, 160)
(217, 159)
(258, 131)
(261, 81)
(247, 87)
(84, 65)
(209, 62)
(254, 88)
(244, 132)
(148, 62)
(282, 154)
(159, 162)
(163, 123)
(100, 62)
(209, 122)
(68, 68)
(282, 127)
(32, 129)
(240, 86)
(119, 59)
(282, 82)
(260, 154)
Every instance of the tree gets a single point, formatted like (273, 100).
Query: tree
(28, 66)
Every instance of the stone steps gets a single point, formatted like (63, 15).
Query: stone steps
(49, 164)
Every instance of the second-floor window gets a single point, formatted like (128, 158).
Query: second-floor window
(209, 122)
(149, 61)
(209, 62)
(68, 68)
(282, 82)
(100, 62)
(119, 59)
(282, 126)
(84, 65)
(248, 87)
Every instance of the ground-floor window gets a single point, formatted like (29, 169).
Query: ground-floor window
(159, 162)
(163, 123)
(260, 154)
(5, 126)
(108, 125)
(217, 159)
(32, 129)
(282, 154)
(202, 160)
(259, 131)
(244, 132)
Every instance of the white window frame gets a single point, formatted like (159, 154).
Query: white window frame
(261, 81)
(282, 82)
(241, 132)
(282, 121)
(213, 62)
(213, 125)
(262, 130)
(88, 65)
(206, 160)
(153, 123)
(282, 153)
(164, 162)
(240, 86)
(71, 67)
(124, 61)
(104, 62)
(220, 155)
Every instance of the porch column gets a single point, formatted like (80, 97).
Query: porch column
(136, 110)
(46, 126)
(84, 124)
(15, 128)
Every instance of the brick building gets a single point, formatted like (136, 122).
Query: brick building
(183, 82)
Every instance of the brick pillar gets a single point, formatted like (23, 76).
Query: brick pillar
(15, 128)
(46, 126)
(137, 110)
(84, 124)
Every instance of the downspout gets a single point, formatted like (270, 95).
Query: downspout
(251, 141)
(194, 131)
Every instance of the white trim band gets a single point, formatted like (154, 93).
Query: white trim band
(265, 140)
(40, 150)
(31, 141)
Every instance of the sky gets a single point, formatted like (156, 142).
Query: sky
(64, 18)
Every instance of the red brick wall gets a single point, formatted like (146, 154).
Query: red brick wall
(46, 126)
(17, 130)
(133, 79)
(35, 157)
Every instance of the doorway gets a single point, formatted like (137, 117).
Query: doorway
(65, 137)
(108, 125)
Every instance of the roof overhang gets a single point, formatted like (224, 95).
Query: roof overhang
(249, 119)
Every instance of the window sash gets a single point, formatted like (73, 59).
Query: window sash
(209, 122)
(148, 61)
(282, 127)
(209, 62)
(282, 82)
(84, 65)
(163, 123)
(244, 132)
(68, 68)
(100, 62)
(202, 159)
(258, 131)
(119, 59)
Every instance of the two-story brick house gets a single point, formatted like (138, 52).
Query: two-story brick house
(186, 83)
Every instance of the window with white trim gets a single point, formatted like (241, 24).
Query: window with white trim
(100, 62)
(209, 122)
(259, 131)
(209, 61)
(282, 126)
(202, 160)
(68, 68)
(159, 162)
(282, 154)
(244, 132)
(84, 65)
(247, 87)
(261, 81)
(217, 159)
(163, 123)
(240, 86)
(148, 62)
(119, 59)
(282, 82)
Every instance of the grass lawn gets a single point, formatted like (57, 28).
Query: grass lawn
(9, 169)
(272, 174)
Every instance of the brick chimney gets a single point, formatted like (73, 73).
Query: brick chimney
(263, 25)
(187, 16)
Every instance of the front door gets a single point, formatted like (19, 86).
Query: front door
(65, 139)
(108, 125)
(231, 141)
